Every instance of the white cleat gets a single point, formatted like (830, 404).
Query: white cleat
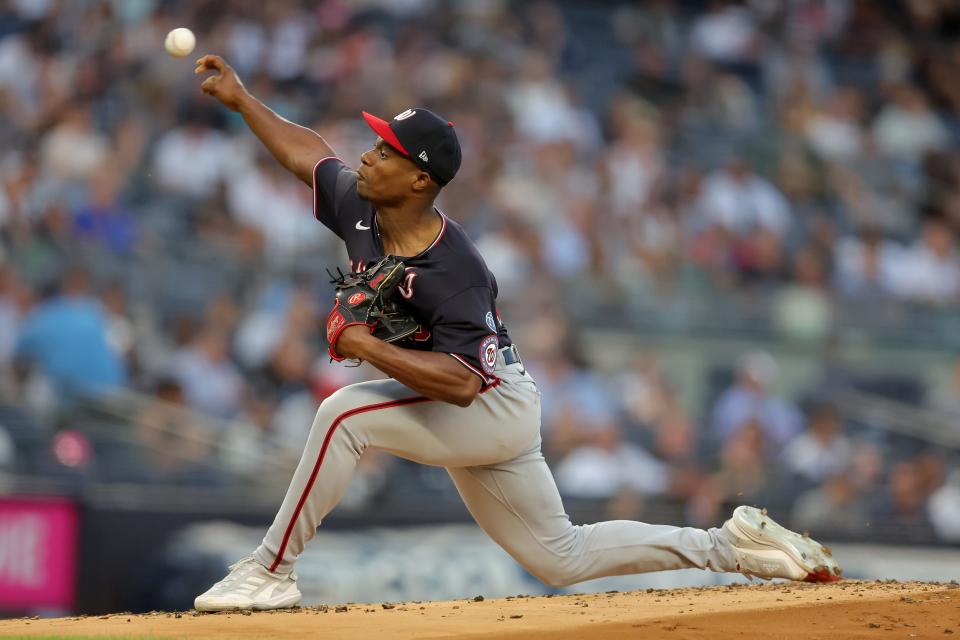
(766, 550)
(249, 585)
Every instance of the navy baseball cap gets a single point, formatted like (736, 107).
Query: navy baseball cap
(425, 138)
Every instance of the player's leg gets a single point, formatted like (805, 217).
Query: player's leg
(326, 465)
(518, 505)
(386, 415)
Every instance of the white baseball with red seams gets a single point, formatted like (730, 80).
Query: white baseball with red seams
(180, 42)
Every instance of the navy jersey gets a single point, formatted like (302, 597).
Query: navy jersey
(447, 286)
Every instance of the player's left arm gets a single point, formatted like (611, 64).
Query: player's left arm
(433, 374)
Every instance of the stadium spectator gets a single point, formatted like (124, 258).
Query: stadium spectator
(175, 443)
(73, 150)
(9, 315)
(209, 152)
(120, 332)
(605, 466)
(834, 506)
(583, 407)
(907, 127)
(26, 191)
(943, 508)
(930, 270)
(646, 397)
(834, 132)
(802, 308)
(866, 265)
(726, 33)
(675, 442)
(262, 197)
(903, 507)
(749, 401)
(543, 110)
(102, 220)
(742, 202)
(743, 475)
(66, 335)
(867, 466)
(634, 158)
(210, 381)
(944, 396)
(821, 451)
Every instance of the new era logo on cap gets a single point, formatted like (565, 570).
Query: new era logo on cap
(422, 129)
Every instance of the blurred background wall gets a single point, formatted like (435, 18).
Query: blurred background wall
(725, 235)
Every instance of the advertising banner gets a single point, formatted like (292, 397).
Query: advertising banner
(38, 539)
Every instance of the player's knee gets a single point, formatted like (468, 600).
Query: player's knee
(331, 411)
(335, 406)
(330, 422)
(557, 576)
(564, 565)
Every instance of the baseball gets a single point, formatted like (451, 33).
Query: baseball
(180, 42)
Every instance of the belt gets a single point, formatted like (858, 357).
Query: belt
(509, 355)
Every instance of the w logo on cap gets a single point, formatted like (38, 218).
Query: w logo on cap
(422, 136)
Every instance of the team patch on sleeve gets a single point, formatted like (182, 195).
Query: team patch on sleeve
(488, 354)
(490, 322)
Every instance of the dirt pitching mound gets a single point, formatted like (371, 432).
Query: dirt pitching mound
(850, 609)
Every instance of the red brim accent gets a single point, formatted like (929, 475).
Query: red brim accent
(382, 129)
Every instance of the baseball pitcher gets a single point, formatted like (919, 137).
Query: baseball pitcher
(420, 306)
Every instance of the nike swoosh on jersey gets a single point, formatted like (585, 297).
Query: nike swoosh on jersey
(360, 226)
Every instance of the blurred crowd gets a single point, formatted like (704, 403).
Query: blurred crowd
(149, 245)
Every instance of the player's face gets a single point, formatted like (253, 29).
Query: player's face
(385, 176)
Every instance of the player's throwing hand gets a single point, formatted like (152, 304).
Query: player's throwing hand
(225, 85)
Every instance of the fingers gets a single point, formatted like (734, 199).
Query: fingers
(210, 62)
(207, 86)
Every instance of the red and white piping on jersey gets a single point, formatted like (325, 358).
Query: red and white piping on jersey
(487, 380)
(436, 241)
(323, 452)
(443, 227)
(314, 176)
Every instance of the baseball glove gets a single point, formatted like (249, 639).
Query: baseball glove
(365, 298)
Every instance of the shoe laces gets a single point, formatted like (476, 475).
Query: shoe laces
(240, 568)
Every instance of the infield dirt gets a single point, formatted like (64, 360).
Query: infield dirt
(849, 609)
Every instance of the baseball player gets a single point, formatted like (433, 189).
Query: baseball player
(457, 395)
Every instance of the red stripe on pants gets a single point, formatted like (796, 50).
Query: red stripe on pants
(323, 451)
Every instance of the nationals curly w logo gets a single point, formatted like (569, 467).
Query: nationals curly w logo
(406, 287)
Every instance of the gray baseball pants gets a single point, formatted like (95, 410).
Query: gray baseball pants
(492, 451)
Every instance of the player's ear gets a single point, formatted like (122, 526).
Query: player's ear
(422, 182)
